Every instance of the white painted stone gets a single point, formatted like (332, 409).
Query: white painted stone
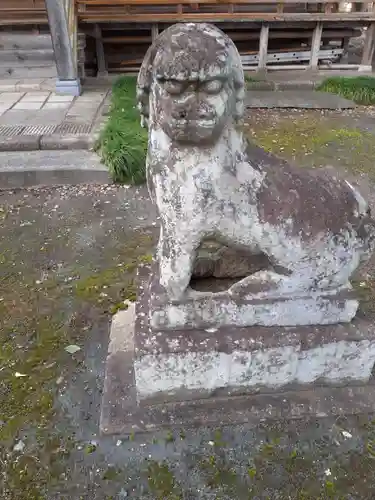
(269, 368)
(192, 371)
(207, 312)
(337, 362)
(122, 330)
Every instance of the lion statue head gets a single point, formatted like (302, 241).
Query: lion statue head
(191, 84)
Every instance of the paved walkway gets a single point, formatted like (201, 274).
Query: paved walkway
(304, 99)
(45, 120)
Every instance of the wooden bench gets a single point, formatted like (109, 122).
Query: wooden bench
(22, 12)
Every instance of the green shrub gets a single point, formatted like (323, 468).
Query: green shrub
(360, 89)
(123, 142)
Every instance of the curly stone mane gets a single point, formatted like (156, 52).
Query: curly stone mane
(147, 71)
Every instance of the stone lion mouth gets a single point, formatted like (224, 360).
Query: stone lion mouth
(205, 122)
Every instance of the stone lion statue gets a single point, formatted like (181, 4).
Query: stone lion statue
(208, 182)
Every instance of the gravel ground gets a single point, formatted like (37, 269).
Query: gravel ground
(68, 257)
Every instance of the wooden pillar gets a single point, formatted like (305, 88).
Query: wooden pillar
(66, 59)
(100, 54)
(263, 47)
(368, 49)
(315, 45)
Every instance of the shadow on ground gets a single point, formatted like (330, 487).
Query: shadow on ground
(68, 258)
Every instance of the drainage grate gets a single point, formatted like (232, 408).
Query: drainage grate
(39, 129)
(73, 128)
(66, 128)
(10, 131)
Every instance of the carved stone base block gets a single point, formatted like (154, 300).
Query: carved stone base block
(204, 309)
(232, 375)
(208, 311)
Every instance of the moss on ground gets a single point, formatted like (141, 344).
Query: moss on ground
(162, 482)
(315, 140)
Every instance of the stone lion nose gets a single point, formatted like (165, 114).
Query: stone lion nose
(182, 114)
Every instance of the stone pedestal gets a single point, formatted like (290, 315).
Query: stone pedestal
(157, 379)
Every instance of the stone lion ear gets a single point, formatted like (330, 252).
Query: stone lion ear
(144, 81)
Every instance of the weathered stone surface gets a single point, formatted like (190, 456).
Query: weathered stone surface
(209, 183)
(235, 375)
(203, 360)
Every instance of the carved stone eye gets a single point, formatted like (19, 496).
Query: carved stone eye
(173, 87)
(212, 87)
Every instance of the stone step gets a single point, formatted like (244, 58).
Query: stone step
(32, 168)
(29, 70)
(24, 41)
(28, 56)
(304, 99)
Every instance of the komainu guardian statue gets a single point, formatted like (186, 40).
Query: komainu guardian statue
(209, 183)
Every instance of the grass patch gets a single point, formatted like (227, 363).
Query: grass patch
(360, 89)
(123, 142)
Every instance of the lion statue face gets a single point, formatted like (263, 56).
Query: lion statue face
(191, 84)
(195, 110)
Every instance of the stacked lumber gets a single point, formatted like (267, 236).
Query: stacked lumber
(265, 31)
(22, 12)
(125, 46)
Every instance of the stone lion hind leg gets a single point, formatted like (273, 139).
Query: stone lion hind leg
(177, 251)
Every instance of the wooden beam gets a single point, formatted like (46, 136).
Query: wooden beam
(111, 17)
(315, 46)
(243, 36)
(263, 47)
(199, 2)
(100, 54)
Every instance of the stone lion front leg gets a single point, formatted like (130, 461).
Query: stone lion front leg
(177, 251)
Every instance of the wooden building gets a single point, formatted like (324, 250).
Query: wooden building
(270, 34)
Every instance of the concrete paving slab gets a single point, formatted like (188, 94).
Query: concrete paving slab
(56, 105)
(60, 122)
(31, 117)
(35, 96)
(28, 86)
(8, 87)
(304, 99)
(25, 105)
(61, 98)
(16, 117)
(11, 96)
